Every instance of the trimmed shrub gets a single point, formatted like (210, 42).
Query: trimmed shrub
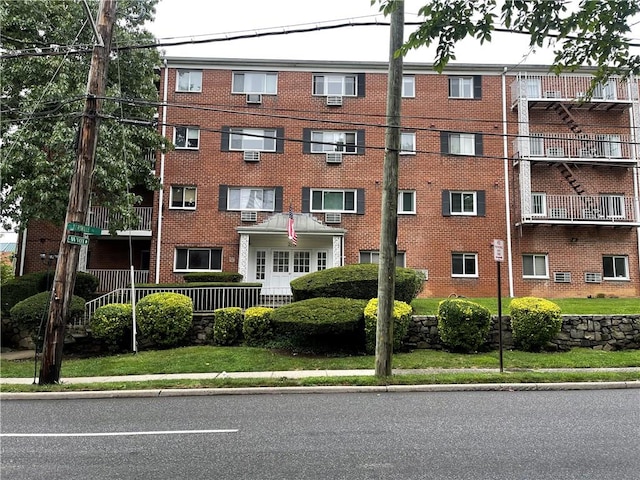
(30, 312)
(463, 325)
(534, 322)
(86, 285)
(401, 318)
(227, 325)
(164, 318)
(20, 288)
(256, 325)
(112, 324)
(358, 280)
(225, 277)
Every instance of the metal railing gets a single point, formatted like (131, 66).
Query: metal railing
(583, 147)
(99, 217)
(567, 87)
(112, 279)
(584, 208)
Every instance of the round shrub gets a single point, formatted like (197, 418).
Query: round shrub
(19, 288)
(164, 318)
(534, 322)
(256, 325)
(358, 280)
(112, 324)
(401, 318)
(86, 285)
(227, 325)
(463, 325)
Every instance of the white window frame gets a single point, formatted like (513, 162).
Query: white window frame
(187, 137)
(189, 250)
(324, 192)
(333, 141)
(612, 205)
(401, 195)
(407, 138)
(408, 86)
(264, 199)
(252, 135)
(465, 257)
(536, 145)
(465, 143)
(463, 85)
(535, 258)
(373, 256)
(463, 195)
(269, 82)
(194, 85)
(541, 203)
(614, 258)
(330, 80)
(185, 205)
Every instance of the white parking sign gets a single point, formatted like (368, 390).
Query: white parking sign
(498, 250)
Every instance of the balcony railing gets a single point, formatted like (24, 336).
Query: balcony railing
(113, 279)
(99, 217)
(584, 148)
(583, 209)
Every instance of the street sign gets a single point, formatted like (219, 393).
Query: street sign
(78, 227)
(498, 250)
(76, 240)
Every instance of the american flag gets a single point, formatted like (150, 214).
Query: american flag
(291, 233)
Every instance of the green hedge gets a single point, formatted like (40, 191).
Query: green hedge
(463, 325)
(401, 318)
(358, 280)
(534, 322)
(113, 325)
(256, 325)
(225, 277)
(227, 325)
(164, 318)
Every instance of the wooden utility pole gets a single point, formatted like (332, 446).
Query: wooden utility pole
(389, 221)
(79, 196)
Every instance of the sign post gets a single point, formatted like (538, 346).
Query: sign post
(498, 256)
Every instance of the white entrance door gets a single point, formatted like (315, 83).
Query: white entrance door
(275, 268)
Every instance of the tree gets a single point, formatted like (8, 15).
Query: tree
(593, 32)
(46, 49)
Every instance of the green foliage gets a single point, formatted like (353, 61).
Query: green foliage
(227, 325)
(534, 322)
(401, 318)
(30, 312)
(164, 319)
(6, 273)
(463, 325)
(228, 277)
(256, 326)
(20, 288)
(86, 285)
(358, 280)
(112, 324)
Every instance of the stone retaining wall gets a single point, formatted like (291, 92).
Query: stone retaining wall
(600, 332)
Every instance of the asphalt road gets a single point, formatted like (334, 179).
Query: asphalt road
(457, 435)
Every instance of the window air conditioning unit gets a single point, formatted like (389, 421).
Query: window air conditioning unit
(581, 95)
(558, 212)
(334, 157)
(555, 152)
(247, 216)
(251, 156)
(592, 277)
(334, 101)
(254, 98)
(332, 217)
(586, 153)
(425, 272)
(591, 213)
(552, 94)
(562, 277)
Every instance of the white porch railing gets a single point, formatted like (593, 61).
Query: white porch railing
(606, 209)
(99, 217)
(205, 299)
(566, 87)
(583, 147)
(113, 279)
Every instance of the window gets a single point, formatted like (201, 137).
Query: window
(408, 86)
(533, 88)
(373, 256)
(252, 139)
(342, 85)
(333, 142)
(471, 203)
(539, 204)
(321, 263)
(261, 264)
(464, 265)
(407, 143)
(534, 266)
(612, 206)
(536, 145)
(460, 143)
(183, 197)
(190, 259)
(615, 267)
(186, 137)
(301, 262)
(608, 146)
(255, 82)
(262, 199)
(406, 201)
(189, 81)
(333, 200)
(465, 87)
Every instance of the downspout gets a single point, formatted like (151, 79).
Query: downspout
(162, 157)
(507, 199)
(634, 116)
(23, 249)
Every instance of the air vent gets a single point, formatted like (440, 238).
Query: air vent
(552, 94)
(332, 217)
(592, 277)
(562, 277)
(251, 156)
(254, 98)
(555, 152)
(558, 212)
(334, 157)
(334, 101)
(248, 216)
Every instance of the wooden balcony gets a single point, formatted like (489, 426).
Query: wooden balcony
(99, 217)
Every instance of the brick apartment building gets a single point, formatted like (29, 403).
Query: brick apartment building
(488, 152)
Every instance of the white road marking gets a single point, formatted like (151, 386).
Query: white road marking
(118, 434)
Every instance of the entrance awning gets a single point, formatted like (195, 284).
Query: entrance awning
(303, 224)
